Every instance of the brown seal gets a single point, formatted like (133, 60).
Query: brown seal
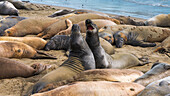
(80, 59)
(11, 68)
(35, 42)
(97, 88)
(158, 71)
(60, 25)
(157, 88)
(13, 49)
(30, 26)
(161, 20)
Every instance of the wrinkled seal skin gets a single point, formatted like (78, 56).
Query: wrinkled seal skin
(80, 59)
(58, 42)
(157, 88)
(161, 20)
(128, 21)
(60, 25)
(97, 88)
(158, 71)
(8, 22)
(92, 40)
(31, 26)
(142, 36)
(103, 60)
(34, 42)
(11, 68)
(7, 8)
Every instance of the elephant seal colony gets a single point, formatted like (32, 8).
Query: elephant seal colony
(80, 59)
(7, 8)
(11, 68)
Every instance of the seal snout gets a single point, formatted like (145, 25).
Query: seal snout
(89, 24)
(75, 28)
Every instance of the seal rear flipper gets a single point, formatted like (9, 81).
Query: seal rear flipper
(141, 43)
(39, 68)
(41, 55)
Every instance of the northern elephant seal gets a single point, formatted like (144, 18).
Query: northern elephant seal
(17, 3)
(103, 60)
(99, 22)
(142, 36)
(157, 88)
(60, 25)
(7, 8)
(29, 26)
(34, 42)
(8, 22)
(61, 42)
(158, 71)
(97, 88)
(11, 68)
(80, 59)
(128, 20)
(161, 20)
(113, 75)
(12, 49)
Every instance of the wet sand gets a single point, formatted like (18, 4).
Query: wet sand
(18, 86)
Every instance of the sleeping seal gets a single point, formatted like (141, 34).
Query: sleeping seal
(158, 71)
(7, 8)
(80, 59)
(157, 88)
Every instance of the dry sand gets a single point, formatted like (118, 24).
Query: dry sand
(18, 86)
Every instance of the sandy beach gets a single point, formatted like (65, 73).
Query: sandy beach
(18, 86)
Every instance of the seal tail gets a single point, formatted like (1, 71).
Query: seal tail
(41, 55)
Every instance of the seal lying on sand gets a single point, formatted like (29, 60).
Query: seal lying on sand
(161, 20)
(12, 49)
(113, 75)
(80, 59)
(17, 3)
(99, 22)
(7, 8)
(29, 26)
(128, 21)
(157, 88)
(158, 71)
(103, 60)
(11, 68)
(107, 31)
(97, 88)
(9, 22)
(34, 42)
(61, 42)
(60, 25)
(142, 36)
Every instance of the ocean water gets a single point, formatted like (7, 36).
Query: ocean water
(135, 8)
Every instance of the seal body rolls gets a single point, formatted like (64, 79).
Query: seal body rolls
(11, 68)
(98, 88)
(7, 8)
(158, 71)
(29, 26)
(9, 22)
(80, 59)
(35, 42)
(157, 88)
(161, 20)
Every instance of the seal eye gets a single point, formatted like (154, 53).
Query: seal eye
(19, 50)
(8, 32)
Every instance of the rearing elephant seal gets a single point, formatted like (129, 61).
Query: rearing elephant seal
(11, 68)
(158, 71)
(7, 8)
(80, 59)
(103, 60)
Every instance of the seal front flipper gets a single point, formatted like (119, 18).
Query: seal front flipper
(42, 55)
